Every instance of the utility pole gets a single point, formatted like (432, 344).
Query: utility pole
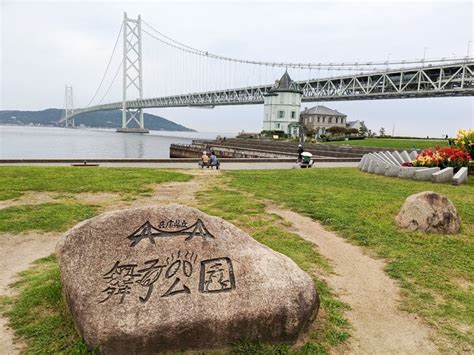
(301, 129)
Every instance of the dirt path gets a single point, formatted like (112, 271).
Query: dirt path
(17, 252)
(379, 326)
(360, 281)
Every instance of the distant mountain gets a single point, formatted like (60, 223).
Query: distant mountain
(102, 119)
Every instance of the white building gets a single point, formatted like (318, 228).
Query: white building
(282, 107)
(357, 125)
(319, 118)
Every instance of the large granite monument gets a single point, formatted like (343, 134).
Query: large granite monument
(171, 278)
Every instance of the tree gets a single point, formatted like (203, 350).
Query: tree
(382, 132)
(336, 130)
(352, 131)
(310, 133)
(363, 130)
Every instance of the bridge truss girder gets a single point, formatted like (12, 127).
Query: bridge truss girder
(440, 81)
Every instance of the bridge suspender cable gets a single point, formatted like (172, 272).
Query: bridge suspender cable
(106, 70)
(344, 66)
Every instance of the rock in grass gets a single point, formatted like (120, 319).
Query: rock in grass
(429, 212)
(171, 278)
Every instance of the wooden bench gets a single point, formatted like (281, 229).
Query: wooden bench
(208, 165)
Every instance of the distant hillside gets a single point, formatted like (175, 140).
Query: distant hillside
(104, 119)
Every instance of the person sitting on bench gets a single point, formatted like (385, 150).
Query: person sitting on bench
(213, 161)
(204, 159)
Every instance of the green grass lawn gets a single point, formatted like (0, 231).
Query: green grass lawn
(395, 143)
(14, 181)
(38, 313)
(436, 272)
(331, 328)
(46, 217)
(128, 181)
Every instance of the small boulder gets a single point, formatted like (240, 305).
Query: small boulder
(171, 278)
(429, 212)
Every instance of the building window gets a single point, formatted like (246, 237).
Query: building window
(318, 119)
(330, 119)
(324, 119)
(281, 114)
(278, 125)
(337, 120)
(293, 114)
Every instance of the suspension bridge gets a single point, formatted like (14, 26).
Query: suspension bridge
(178, 75)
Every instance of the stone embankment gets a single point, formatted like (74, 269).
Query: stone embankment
(242, 148)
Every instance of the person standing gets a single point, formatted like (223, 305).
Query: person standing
(300, 152)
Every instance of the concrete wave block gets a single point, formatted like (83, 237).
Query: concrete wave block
(406, 157)
(365, 166)
(391, 158)
(372, 166)
(413, 154)
(445, 175)
(407, 172)
(380, 168)
(381, 157)
(392, 170)
(460, 177)
(425, 174)
(368, 159)
(398, 157)
(386, 158)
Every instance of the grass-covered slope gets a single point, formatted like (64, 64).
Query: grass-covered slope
(395, 143)
(435, 271)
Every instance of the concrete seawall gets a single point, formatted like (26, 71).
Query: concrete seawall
(263, 148)
(195, 151)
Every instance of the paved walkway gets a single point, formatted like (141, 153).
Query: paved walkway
(189, 165)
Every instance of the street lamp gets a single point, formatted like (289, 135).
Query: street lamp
(424, 54)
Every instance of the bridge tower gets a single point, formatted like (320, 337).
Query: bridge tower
(132, 74)
(68, 107)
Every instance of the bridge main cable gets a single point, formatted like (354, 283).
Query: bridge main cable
(345, 66)
(106, 70)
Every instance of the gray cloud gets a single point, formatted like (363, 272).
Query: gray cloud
(45, 45)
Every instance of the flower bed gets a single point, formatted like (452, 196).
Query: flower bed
(442, 158)
(457, 156)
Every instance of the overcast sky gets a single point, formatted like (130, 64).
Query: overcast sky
(45, 45)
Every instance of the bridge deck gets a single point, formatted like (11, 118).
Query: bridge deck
(438, 81)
